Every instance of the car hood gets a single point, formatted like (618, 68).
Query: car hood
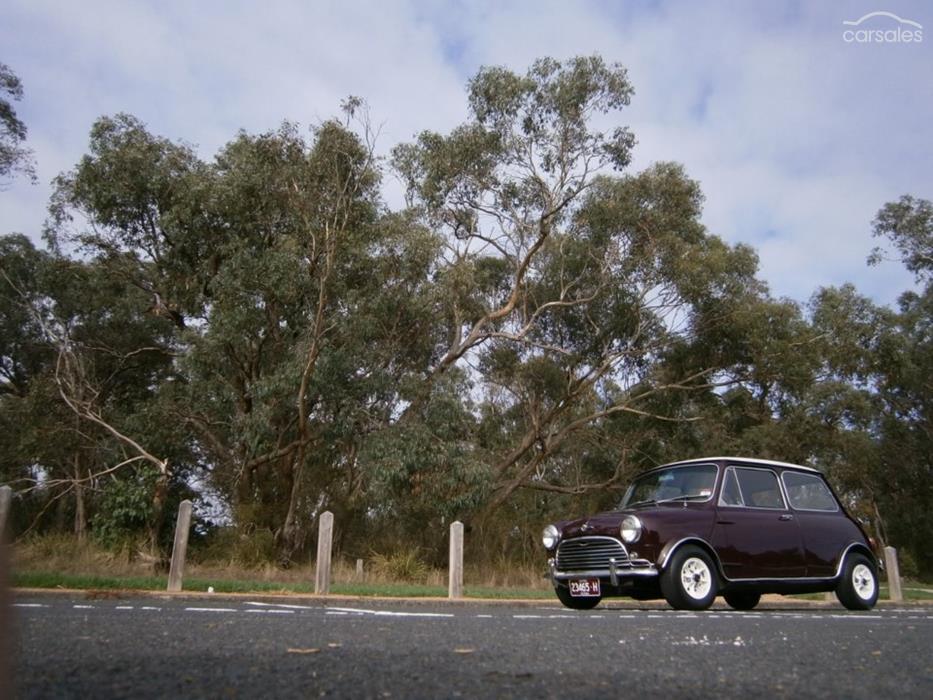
(599, 524)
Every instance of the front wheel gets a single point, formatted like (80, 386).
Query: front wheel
(858, 587)
(689, 581)
(569, 601)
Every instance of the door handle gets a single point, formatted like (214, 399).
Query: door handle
(786, 516)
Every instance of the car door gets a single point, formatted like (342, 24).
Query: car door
(824, 528)
(756, 535)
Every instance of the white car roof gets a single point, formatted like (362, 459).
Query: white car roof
(744, 460)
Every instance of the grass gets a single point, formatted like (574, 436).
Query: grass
(60, 562)
(42, 579)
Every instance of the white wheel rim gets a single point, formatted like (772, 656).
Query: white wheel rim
(696, 578)
(863, 581)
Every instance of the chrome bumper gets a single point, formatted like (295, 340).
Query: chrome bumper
(637, 568)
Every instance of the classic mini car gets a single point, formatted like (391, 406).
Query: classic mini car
(729, 526)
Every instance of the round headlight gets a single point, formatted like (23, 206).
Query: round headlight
(630, 529)
(550, 536)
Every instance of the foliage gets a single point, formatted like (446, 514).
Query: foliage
(14, 157)
(535, 326)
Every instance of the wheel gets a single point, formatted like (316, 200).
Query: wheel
(689, 581)
(858, 587)
(576, 603)
(742, 600)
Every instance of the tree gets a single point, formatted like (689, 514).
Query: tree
(14, 157)
(571, 297)
(81, 377)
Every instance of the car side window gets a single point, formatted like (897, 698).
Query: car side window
(806, 492)
(759, 488)
(730, 496)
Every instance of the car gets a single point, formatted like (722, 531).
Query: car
(731, 526)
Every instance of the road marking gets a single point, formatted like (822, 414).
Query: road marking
(83, 607)
(281, 605)
(271, 612)
(485, 617)
(148, 607)
(527, 617)
(124, 607)
(30, 605)
(389, 613)
(211, 610)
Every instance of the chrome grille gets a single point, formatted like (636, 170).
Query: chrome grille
(589, 554)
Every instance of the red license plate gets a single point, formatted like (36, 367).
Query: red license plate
(584, 588)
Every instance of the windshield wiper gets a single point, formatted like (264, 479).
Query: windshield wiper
(685, 497)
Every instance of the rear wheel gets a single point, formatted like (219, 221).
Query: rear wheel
(689, 581)
(742, 600)
(568, 600)
(858, 587)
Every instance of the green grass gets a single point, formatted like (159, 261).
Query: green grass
(158, 583)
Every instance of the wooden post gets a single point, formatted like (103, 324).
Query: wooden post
(325, 538)
(894, 575)
(455, 587)
(180, 547)
(359, 569)
(6, 496)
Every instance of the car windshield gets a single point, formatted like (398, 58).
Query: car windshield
(674, 484)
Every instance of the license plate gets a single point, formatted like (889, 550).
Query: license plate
(584, 588)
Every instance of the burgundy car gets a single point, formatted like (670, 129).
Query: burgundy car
(729, 526)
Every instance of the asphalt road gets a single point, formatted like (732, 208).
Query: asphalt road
(151, 647)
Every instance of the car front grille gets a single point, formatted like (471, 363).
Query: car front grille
(590, 554)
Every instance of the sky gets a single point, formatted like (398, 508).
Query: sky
(797, 130)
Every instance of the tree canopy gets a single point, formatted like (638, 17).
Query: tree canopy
(537, 323)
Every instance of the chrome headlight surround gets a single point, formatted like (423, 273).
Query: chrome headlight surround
(630, 529)
(550, 537)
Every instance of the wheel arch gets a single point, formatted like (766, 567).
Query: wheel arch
(671, 547)
(853, 548)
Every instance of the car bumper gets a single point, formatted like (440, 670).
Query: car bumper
(629, 569)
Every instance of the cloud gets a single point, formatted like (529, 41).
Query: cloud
(796, 136)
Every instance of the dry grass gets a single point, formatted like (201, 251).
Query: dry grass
(63, 554)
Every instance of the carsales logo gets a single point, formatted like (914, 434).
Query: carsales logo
(882, 28)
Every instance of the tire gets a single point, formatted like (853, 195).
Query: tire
(858, 586)
(689, 582)
(742, 600)
(576, 603)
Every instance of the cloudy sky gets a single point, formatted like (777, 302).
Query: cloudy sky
(797, 135)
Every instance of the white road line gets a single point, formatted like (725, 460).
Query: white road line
(211, 610)
(485, 617)
(389, 613)
(147, 607)
(83, 607)
(124, 607)
(30, 605)
(527, 617)
(280, 605)
(272, 612)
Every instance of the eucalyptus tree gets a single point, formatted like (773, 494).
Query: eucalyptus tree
(568, 295)
(82, 366)
(14, 156)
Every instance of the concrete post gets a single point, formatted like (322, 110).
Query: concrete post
(455, 586)
(180, 547)
(6, 497)
(894, 575)
(325, 539)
